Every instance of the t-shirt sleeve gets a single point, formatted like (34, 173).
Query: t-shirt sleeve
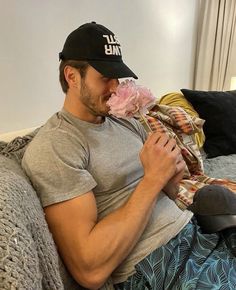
(57, 167)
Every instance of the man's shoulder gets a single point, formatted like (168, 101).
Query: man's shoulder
(55, 134)
(132, 124)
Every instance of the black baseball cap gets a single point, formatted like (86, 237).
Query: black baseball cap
(215, 208)
(98, 46)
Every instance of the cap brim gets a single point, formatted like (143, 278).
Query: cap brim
(213, 224)
(112, 69)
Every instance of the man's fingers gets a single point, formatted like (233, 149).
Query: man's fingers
(162, 139)
(179, 158)
(180, 165)
(155, 137)
(172, 146)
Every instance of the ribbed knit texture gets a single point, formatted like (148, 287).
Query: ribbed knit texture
(28, 255)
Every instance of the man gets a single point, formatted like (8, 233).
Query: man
(104, 183)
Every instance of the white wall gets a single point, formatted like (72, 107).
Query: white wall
(157, 37)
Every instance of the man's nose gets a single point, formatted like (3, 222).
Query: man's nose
(113, 84)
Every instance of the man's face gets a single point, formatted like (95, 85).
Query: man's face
(95, 92)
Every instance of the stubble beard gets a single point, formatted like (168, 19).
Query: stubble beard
(89, 101)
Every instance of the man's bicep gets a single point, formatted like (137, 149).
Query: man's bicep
(70, 223)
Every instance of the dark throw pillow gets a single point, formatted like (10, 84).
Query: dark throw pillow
(218, 109)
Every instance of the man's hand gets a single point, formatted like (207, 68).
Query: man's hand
(172, 187)
(162, 161)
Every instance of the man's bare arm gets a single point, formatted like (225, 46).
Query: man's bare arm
(92, 249)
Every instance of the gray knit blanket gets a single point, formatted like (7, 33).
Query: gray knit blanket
(28, 255)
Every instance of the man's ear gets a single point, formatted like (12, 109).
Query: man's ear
(72, 76)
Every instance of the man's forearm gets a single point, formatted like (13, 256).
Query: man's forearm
(112, 238)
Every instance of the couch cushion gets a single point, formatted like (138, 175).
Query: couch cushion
(219, 110)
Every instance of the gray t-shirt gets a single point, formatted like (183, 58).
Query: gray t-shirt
(69, 157)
